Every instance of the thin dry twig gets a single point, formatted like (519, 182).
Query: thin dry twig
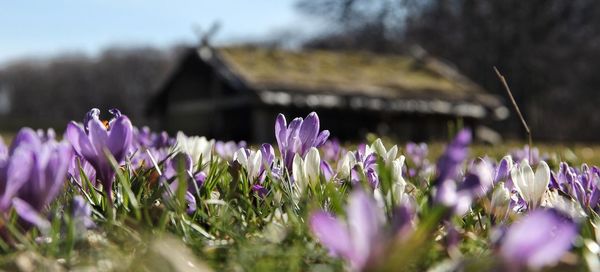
(512, 100)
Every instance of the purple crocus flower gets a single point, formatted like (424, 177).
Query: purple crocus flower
(170, 174)
(362, 238)
(326, 170)
(145, 138)
(537, 240)
(97, 139)
(81, 214)
(456, 152)
(503, 169)
(33, 175)
(366, 164)
(298, 137)
(417, 153)
(458, 191)
(332, 150)
(448, 191)
(359, 239)
(581, 184)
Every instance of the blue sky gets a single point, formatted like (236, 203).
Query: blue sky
(42, 28)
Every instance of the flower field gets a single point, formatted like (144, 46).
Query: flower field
(108, 196)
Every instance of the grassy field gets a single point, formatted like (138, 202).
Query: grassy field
(187, 205)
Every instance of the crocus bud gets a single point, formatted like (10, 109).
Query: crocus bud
(379, 147)
(500, 200)
(397, 165)
(504, 169)
(254, 164)
(387, 155)
(312, 165)
(241, 157)
(345, 165)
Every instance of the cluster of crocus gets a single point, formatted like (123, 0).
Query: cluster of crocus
(257, 165)
(298, 137)
(580, 184)
(392, 195)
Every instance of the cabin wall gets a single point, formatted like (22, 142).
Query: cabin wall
(349, 125)
(199, 102)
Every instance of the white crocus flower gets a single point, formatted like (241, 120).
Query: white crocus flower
(199, 148)
(251, 163)
(345, 165)
(531, 186)
(306, 171)
(387, 155)
(500, 200)
(397, 178)
(398, 185)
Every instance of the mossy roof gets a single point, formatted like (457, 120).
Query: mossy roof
(352, 73)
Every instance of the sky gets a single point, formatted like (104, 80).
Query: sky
(33, 28)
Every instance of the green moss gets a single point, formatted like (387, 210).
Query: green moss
(386, 75)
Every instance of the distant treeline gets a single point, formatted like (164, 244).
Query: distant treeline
(548, 49)
(53, 91)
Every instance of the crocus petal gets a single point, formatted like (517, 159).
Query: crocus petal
(298, 172)
(524, 180)
(293, 140)
(30, 215)
(345, 165)
(82, 212)
(241, 157)
(402, 219)
(191, 201)
(364, 225)
(379, 148)
(79, 140)
(119, 138)
(503, 169)
(254, 164)
(332, 233)
(322, 138)
(98, 136)
(455, 154)
(281, 132)
(26, 136)
(542, 179)
(268, 155)
(539, 239)
(326, 170)
(312, 165)
(57, 167)
(309, 130)
(18, 172)
(391, 154)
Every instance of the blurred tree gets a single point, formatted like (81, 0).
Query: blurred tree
(358, 24)
(51, 92)
(548, 49)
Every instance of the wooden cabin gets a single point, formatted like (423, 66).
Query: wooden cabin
(234, 93)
